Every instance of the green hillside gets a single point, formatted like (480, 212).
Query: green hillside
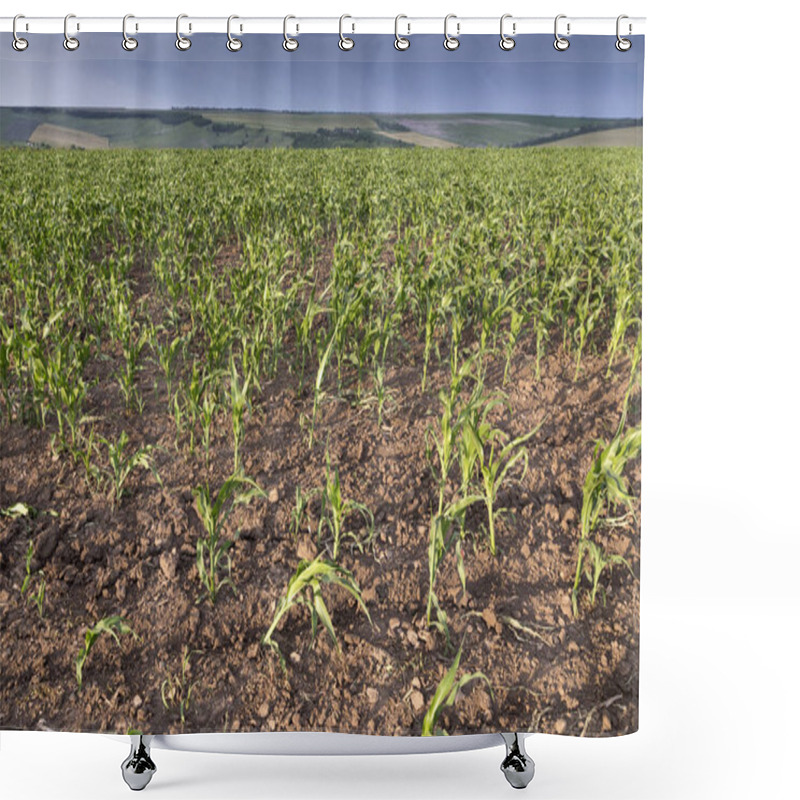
(243, 128)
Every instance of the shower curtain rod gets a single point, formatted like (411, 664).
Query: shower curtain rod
(407, 25)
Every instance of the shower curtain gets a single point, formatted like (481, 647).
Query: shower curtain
(320, 384)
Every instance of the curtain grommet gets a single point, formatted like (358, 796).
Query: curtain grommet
(181, 42)
(451, 43)
(129, 43)
(622, 44)
(290, 43)
(507, 42)
(71, 43)
(401, 43)
(345, 42)
(561, 43)
(233, 44)
(18, 43)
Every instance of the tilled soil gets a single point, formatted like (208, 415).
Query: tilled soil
(561, 675)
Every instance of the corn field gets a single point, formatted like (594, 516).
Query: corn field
(223, 371)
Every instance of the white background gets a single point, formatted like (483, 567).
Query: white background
(719, 697)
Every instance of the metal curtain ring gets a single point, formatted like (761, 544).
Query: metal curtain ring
(400, 42)
(622, 44)
(506, 42)
(560, 44)
(128, 42)
(450, 42)
(70, 42)
(345, 43)
(233, 44)
(18, 43)
(181, 42)
(290, 44)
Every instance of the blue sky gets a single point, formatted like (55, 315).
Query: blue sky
(590, 79)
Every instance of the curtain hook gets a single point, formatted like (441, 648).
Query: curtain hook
(451, 42)
(19, 44)
(561, 44)
(622, 44)
(507, 42)
(345, 43)
(181, 42)
(128, 42)
(70, 42)
(400, 42)
(233, 44)
(290, 44)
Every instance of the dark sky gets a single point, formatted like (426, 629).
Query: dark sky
(590, 79)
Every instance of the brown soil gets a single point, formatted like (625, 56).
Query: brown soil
(566, 676)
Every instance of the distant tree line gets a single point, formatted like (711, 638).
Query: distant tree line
(342, 137)
(389, 124)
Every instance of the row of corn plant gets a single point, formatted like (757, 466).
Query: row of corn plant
(604, 488)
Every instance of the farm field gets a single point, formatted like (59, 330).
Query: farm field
(291, 441)
(617, 137)
(93, 128)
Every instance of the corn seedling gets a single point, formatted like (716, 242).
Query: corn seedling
(132, 347)
(209, 410)
(300, 511)
(212, 556)
(604, 487)
(176, 689)
(600, 560)
(484, 446)
(445, 696)
(121, 465)
(305, 589)
(31, 595)
(82, 452)
(166, 356)
(238, 404)
(116, 626)
(445, 533)
(323, 365)
(335, 509)
(6, 339)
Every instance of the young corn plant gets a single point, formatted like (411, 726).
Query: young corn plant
(212, 557)
(604, 487)
(209, 410)
(31, 595)
(116, 626)
(121, 465)
(167, 357)
(299, 513)
(624, 318)
(600, 560)
(490, 450)
(305, 589)
(238, 403)
(518, 322)
(442, 446)
(83, 452)
(318, 393)
(445, 696)
(6, 347)
(176, 689)
(445, 534)
(132, 347)
(335, 510)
